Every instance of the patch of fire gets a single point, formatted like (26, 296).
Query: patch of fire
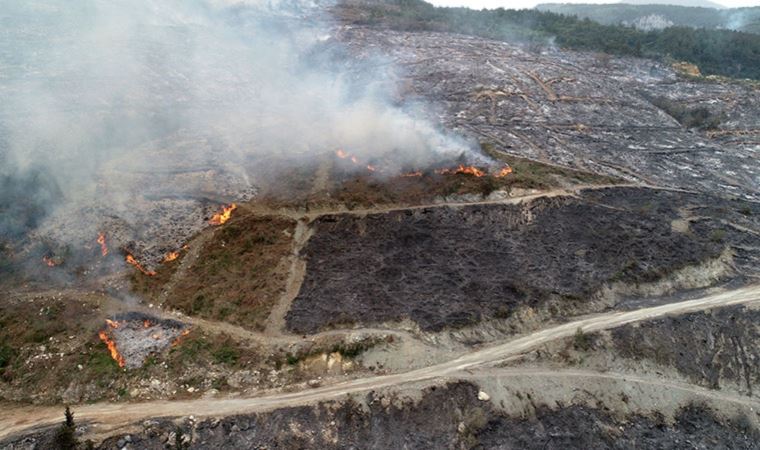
(462, 169)
(51, 261)
(342, 154)
(470, 170)
(134, 336)
(224, 215)
(131, 260)
(171, 256)
(503, 172)
(102, 241)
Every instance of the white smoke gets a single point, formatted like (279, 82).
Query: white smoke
(96, 93)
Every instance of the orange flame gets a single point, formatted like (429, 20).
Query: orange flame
(112, 323)
(131, 260)
(171, 256)
(342, 154)
(49, 261)
(102, 242)
(146, 323)
(223, 216)
(185, 332)
(112, 348)
(468, 170)
(504, 172)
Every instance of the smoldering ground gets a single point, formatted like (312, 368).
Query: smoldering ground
(139, 118)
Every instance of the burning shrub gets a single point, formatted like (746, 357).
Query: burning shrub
(223, 216)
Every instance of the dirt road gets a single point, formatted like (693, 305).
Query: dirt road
(109, 416)
(627, 378)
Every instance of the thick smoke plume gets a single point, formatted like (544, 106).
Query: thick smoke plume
(115, 111)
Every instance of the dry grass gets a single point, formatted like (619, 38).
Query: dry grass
(529, 174)
(354, 187)
(49, 344)
(239, 275)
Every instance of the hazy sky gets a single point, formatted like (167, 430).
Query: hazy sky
(531, 3)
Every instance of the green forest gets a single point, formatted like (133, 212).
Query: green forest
(739, 19)
(716, 52)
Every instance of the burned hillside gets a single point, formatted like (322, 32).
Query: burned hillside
(274, 230)
(715, 349)
(579, 109)
(450, 267)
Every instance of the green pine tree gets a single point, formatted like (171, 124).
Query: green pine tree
(65, 437)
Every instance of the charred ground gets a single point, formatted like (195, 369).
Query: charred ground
(450, 267)
(449, 416)
(715, 349)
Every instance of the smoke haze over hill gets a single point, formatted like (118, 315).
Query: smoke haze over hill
(94, 89)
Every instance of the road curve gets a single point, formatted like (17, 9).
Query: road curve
(108, 416)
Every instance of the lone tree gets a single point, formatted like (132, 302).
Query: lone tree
(65, 438)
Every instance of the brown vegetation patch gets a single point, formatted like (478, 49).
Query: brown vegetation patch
(354, 186)
(238, 275)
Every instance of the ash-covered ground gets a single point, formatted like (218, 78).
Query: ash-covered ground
(716, 349)
(450, 267)
(580, 109)
(708, 348)
(134, 336)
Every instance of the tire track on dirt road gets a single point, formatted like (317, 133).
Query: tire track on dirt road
(110, 416)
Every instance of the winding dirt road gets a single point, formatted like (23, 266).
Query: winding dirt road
(110, 416)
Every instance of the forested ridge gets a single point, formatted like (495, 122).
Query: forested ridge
(716, 52)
